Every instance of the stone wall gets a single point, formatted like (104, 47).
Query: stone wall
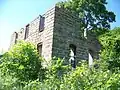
(67, 31)
(93, 45)
(61, 28)
(35, 36)
(13, 39)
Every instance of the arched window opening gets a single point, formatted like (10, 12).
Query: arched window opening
(73, 48)
(27, 31)
(91, 54)
(16, 37)
(39, 48)
(72, 55)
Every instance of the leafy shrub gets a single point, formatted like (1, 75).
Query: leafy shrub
(21, 69)
(23, 62)
(111, 48)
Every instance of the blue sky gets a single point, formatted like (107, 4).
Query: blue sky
(15, 14)
(114, 5)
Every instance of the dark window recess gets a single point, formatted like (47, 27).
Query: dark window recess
(73, 48)
(39, 48)
(16, 37)
(91, 53)
(27, 31)
(41, 24)
(72, 55)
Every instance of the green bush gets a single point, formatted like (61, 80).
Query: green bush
(22, 62)
(21, 69)
(111, 49)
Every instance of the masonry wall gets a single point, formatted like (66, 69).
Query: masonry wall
(93, 45)
(61, 28)
(13, 39)
(67, 31)
(35, 36)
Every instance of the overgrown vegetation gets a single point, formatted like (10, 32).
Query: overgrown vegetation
(21, 69)
(92, 14)
(111, 48)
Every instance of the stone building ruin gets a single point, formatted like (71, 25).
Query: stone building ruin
(55, 33)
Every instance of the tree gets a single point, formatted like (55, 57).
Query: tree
(111, 48)
(92, 13)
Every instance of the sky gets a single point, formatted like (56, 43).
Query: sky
(114, 6)
(15, 14)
